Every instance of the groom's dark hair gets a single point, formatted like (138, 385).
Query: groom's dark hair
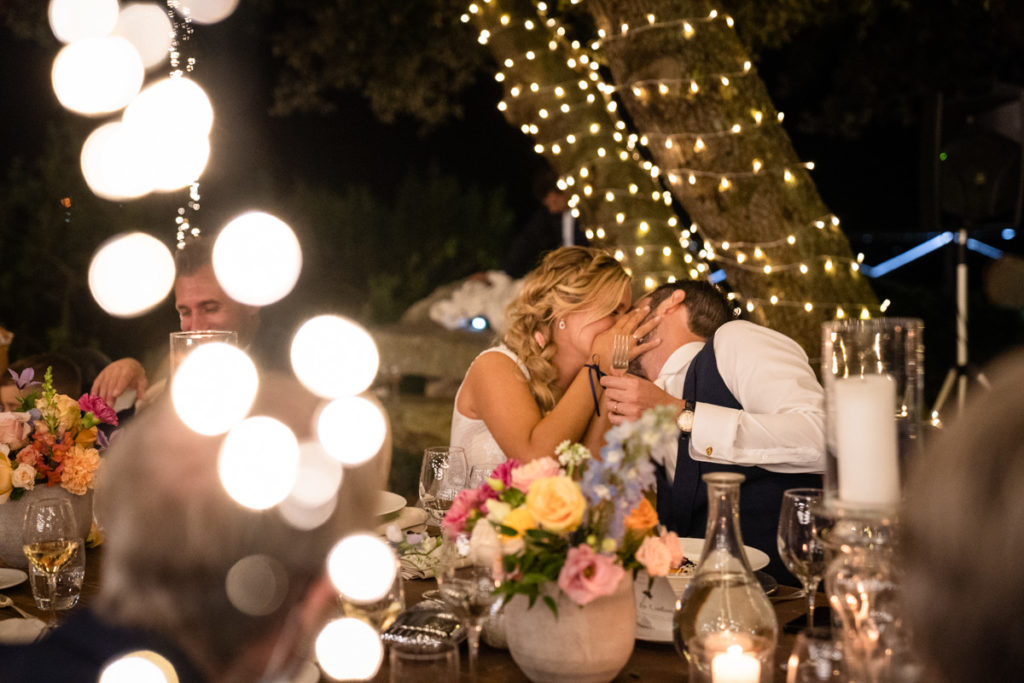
(707, 305)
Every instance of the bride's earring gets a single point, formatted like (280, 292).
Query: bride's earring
(561, 324)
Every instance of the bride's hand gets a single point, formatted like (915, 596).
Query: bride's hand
(634, 324)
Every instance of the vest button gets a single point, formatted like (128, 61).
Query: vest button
(708, 451)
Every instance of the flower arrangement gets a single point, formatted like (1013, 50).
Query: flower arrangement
(576, 521)
(53, 439)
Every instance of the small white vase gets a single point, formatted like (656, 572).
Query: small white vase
(12, 517)
(589, 644)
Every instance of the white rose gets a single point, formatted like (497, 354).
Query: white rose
(496, 510)
(24, 477)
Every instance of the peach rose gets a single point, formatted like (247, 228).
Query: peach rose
(524, 475)
(654, 556)
(556, 503)
(519, 519)
(642, 517)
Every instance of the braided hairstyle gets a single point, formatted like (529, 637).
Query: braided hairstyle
(568, 280)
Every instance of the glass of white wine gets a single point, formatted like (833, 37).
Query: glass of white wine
(49, 539)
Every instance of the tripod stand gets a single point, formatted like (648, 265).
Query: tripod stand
(960, 373)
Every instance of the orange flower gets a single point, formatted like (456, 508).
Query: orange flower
(642, 517)
(86, 438)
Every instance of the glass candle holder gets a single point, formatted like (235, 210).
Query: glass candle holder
(183, 343)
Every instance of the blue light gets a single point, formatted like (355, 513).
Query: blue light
(1009, 233)
(479, 323)
(716, 277)
(909, 255)
(982, 248)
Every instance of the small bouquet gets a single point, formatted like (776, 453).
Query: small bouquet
(576, 521)
(53, 439)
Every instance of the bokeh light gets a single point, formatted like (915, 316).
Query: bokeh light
(349, 649)
(259, 460)
(214, 387)
(257, 585)
(72, 20)
(352, 429)
(208, 11)
(362, 567)
(141, 666)
(305, 517)
(172, 107)
(334, 356)
(319, 476)
(112, 163)
(172, 162)
(130, 274)
(148, 28)
(257, 258)
(97, 75)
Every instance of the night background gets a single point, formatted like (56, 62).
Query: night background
(389, 205)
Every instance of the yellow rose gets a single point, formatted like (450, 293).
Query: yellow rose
(519, 519)
(6, 476)
(66, 410)
(556, 503)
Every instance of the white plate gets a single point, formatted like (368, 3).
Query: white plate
(11, 577)
(693, 547)
(388, 503)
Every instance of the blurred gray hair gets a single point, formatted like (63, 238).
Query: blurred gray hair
(173, 533)
(964, 542)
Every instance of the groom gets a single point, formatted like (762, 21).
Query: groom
(747, 401)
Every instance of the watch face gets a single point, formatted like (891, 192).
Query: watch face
(685, 421)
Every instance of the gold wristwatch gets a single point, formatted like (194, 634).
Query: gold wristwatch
(685, 419)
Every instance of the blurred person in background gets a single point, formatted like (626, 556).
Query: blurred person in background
(67, 378)
(964, 538)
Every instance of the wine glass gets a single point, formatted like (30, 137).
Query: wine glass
(816, 658)
(466, 583)
(799, 542)
(442, 476)
(49, 540)
(479, 473)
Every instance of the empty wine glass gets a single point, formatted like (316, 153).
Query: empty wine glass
(478, 474)
(816, 658)
(49, 540)
(442, 476)
(466, 583)
(799, 542)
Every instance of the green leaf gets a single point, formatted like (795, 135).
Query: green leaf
(550, 602)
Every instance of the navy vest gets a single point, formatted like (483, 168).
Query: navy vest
(683, 505)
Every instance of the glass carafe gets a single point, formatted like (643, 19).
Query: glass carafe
(724, 623)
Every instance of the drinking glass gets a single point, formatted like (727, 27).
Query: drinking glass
(380, 613)
(478, 474)
(799, 542)
(442, 476)
(183, 343)
(49, 538)
(468, 590)
(816, 658)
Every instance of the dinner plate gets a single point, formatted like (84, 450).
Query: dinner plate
(388, 503)
(11, 577)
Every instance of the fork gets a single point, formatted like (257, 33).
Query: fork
(620, 354)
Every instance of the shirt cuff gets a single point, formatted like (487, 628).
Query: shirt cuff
(714, 432)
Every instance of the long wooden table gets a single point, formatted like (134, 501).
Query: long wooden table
(649, 662)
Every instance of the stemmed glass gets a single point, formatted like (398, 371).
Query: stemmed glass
(466, 582)
(816, 658)
(800, 543)
(442, 476)
(49, 541)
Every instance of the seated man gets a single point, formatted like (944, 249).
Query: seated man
(201, 305)
(221, 591)
(747, 401)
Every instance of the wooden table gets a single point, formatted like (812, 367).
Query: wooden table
(649, 662)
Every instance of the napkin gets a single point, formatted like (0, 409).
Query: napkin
(407, 519)
(20, 631)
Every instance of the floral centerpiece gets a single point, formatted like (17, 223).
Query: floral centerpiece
(578, 522)
(53, 440)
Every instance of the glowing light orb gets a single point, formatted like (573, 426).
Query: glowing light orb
(172, 107)
(130, 274)
(351, 429)
(259, 461)
(349, 649)
(141, 666)
(97, 75)
(171, 162)
(148, 28)
(334, 356)
(257, 258)
(319, 476)
(256, 585)
(362, 567)
(112, 163)
(208, 11)
(72, 20)
(214, 387)
(305, 517)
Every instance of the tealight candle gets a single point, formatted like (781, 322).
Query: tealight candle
(866, 439)
(735, 666)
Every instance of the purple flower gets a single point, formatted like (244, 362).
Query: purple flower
(24, 380)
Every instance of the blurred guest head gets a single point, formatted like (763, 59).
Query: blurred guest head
(66, 377)
(239, 591)
(200, 301)
(964, 543)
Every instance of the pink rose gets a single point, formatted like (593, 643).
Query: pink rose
(14, 429)
(655, 556)
(29, 455)
(587, 575)
(465, 504)
(99, 408)
(671, 541)
(541, 468)
(503, 472)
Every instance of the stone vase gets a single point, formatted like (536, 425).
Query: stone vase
(589, 644)
(12, 516)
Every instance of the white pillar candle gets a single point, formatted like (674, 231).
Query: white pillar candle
(866, 439)
(734, 666)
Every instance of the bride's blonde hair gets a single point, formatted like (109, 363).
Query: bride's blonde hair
(568, 280)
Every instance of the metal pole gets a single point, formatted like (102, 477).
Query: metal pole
(961, 319)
